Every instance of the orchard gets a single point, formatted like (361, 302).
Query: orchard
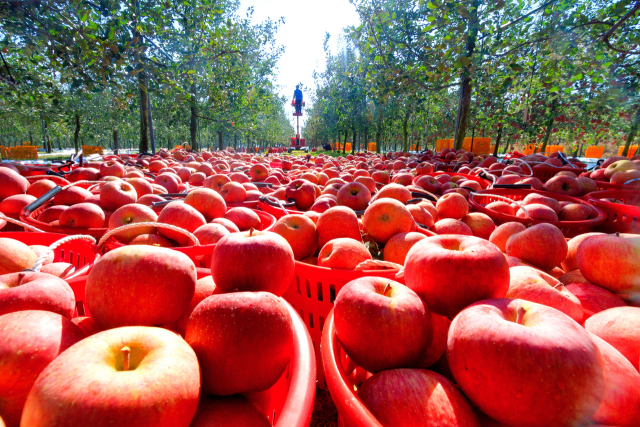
(221, 288)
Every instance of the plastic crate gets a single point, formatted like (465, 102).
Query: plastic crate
(483, 182)
(80, 253)
(480, 199)
(619, 218)
(277, 211)
(31, 219)
(289, 402)
(351, 410)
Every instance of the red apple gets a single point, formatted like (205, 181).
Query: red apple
(535, 198)
(343, 253)
(381, 324)
(501, 234)
(112, 168)
(233, 192)
(399, 245)
(131, 214)
(158, 282)
(302, 192)
(52, 214)
(416, 398)
(576, 212)
(542, 245)
(206, 201)
(253, 261)
(151, 240)
(243, 341)
(593, 298)
(563, 184)
(499, 350)
(481, 272)
(570, 263)
(619, 326)
(421, 215)
(336, 222)
(15, 256)
(59, 269)
(301, 234)
(180, 215)
(210, 234)
(394, 191)
(39, 188)
(141, 185)
(438, 344)
(452, 226)
(452, 205)
(538, 211)
(480, 224)
(226, 224)
(82, 215)
(30, 341)
(35, 291)
(386, 217)
(11, 183)
(502, 207)
(162, 372)
(355, 196)
(244, 218)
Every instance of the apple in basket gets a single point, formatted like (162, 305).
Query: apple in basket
(382, 324)
(243, 341)
(29, 341)
(301, 234)
(117, 377)
(15, 256)
(515, 343)
(131, 214)
(35, 291)
(11, 183)
(620, 327)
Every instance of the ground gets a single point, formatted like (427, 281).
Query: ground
(325, 413)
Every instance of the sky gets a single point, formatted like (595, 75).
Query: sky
(302, 35)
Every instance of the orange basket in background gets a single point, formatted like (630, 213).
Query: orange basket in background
(594, 152)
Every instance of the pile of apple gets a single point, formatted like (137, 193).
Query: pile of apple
(157, 348)
(525, 329)
(619, 170)
(16, 256)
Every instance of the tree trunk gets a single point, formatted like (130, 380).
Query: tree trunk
(405, 134)
(235, 141)
(366, 138)
(116, 144)
(346, 136)
(632, 132)
(547, 133)
(466, 87)
(193, 126)
(30, 138)
(151, 134)
(76, 133)
(220, 147)
(44, 137)
(495, 150)
(353, 144)
(144, 113)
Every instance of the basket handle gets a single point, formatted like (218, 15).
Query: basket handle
(110, 233)
(55, 245)
(270, 200)
(513, 186)
(20, 223)
(526, 212)
(26, 211)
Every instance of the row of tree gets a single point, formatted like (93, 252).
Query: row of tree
(415, 71)
(138, 73)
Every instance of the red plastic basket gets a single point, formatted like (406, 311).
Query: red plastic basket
(289, 403)
(80, 253)
(196, 253)
(31, 219)
(483, 182)
(480, 199)
(351, 410)
(545, 173)
(313, 291)
(620, 218)
(277, 212)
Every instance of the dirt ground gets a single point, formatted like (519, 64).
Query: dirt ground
(325, 413)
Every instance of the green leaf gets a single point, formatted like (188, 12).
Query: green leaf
(465, 60)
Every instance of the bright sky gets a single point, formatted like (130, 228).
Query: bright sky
(306, 22)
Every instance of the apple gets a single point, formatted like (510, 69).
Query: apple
(51, 214)
(611, 261)
(158, 282)
(481, 272)
(226, 224)
(343, 253)
(619, 166)
(243, 341)
(339, 221)
(71, 196)
(253, 261)
(398, 246)
(258, 172)
(620, 178)
(452, 205)
(381, 324)
(541, 245)
(40, 249)
(534, 182)
(233, 192)
(386, 217)
(244, 218)
(323, 203)
(394, 191)
(210, 234)
(206, 201)
(535, 198)
(502, 207)
(168, 181)
(216, 182)
(31, 339)
(301, 234)
(368, 182)
(480, 224)
(620, 404)
(421, 215)
(197, 179)
(59, 269)
(428, 183)
(508, 179)
(576, 212)
(538, 211)
(381, 177)
(12, 183)
(501, 234)
(452, 226)
(39, 188)
(563, 184)
(593, 298)
(15, 256)
(588, 185)
(574, 276)
(35, 291)
(530, 284)
(416, 398)
(87, 384)
(82, 215)
(302, 192)
(112, 168)
(181, 215)
(570, 263)
(141, 185)
(228, 411)
(355, 196)
(611, 160)
(131, 214)
(438, 345)
(526, 364)
(205, 169)
(619, 326)
(151, 240)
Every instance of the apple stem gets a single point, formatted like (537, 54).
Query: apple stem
(385, 289)
(521, 312)
(617, 234)
(125, 357)
(20, 278)
(250, 232)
